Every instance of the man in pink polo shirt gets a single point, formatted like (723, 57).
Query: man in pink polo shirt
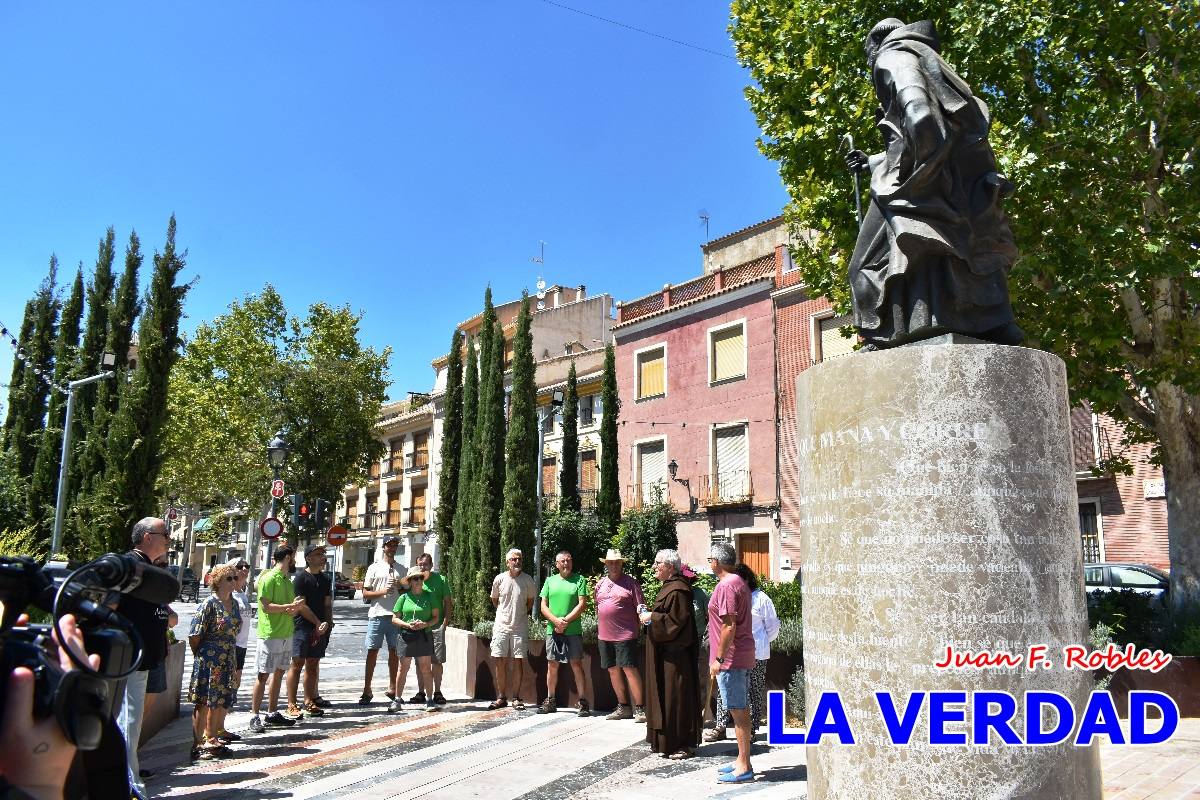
(617, 599)
(731, 653)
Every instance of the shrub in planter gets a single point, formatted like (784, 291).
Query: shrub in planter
(790, 640)
(1130, 615)
(795, 698)
(786, 597)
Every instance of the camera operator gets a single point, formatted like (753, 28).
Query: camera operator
(35, 756)
(151, 540)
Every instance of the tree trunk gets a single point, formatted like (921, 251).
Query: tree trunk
(1178, 429)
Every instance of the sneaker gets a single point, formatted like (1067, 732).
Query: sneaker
(715, 735)
(313, 710)
(395, 707)
(639, 714)
(548, 706)
(419, 697)
(256, 725)
(275, 718)
(622, 712)
(582, 708)
(437, 698)
(228, 737)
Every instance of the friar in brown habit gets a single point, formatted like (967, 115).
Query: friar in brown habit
(673, 714)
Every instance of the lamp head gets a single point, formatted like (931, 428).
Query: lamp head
(277, 451)
(673, 468)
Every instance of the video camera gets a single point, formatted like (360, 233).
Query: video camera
(81, 699)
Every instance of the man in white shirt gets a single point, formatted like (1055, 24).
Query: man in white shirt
(512, 595)
(382, 587)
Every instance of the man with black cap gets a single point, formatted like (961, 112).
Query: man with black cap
(312, 630)
(278, 604)
(381, 588)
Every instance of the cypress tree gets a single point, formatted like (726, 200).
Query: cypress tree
(43, 483)
(519, 516)
(489, 479)
(608, 501)
(568, 479)
(463, 569)
(25, 436)
(452, 428)
(18, 375)
(134, 455)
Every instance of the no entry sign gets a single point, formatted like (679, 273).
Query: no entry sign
(337, 535)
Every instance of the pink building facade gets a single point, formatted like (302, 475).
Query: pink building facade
(696, 377)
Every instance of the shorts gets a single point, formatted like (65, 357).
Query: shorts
(156, 679)
(564, 647)
(618, 654)
(508, 644)
(380, 629)
(273, 655)
(414, 644)
(439, 644)
(241, 657)
(733, 684)
(304, 645)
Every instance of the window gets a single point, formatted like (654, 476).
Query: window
(828, 341)
(652, 468)
(589, 473)
(1134, 578)
(420, 459)
(1090, 534)
(788, 263)
(727, 353)
(549, 476)
(1093, 576)
(548, 420)
(585, 410)
(731, 480)
(416, 510)
(651, 373)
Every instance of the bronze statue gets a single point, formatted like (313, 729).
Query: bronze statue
(934, 249)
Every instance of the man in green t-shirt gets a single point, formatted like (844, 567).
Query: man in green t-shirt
(278, 604)
(564, 598)
(436, 585)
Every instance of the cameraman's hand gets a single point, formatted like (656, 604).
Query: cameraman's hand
(35, 756)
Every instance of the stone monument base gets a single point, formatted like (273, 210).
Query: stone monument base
(939, 514)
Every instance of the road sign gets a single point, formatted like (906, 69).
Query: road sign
(172, 513)
(270, 528)
(277, 489)
(336, 536)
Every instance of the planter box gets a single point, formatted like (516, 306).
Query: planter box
(164, 708)
(1180, 679)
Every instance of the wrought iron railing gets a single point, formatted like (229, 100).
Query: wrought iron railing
(732, 487)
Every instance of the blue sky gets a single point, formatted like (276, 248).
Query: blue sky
(392, 156)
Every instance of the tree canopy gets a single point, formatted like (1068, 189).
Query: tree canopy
(1095, 120)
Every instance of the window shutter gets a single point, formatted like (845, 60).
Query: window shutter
(587, 470)
(728, 354)
(652, 467)
(833, 344)
(651, 381)
(549, 476)
(731, 462)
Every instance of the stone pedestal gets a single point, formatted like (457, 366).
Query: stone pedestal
(938, 507)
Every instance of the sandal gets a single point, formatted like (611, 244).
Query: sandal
(366, 698)
(499, 702)
(518, 704)
(680, 755)
(714, 735)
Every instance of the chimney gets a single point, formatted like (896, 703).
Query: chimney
(582, 292)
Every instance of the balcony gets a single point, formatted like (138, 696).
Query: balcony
(1089, 443)
(372, 520)
(417, 462)
(414, 518)
(373, 473)
(587, 501)
(395, 464)
(639, 495)
(725, 488)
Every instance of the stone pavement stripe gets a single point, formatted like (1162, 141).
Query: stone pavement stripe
(377, 779)
(585, 776)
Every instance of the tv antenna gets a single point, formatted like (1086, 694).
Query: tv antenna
(704, 217)
(541, 283)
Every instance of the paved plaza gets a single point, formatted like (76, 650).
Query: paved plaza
(466, 751)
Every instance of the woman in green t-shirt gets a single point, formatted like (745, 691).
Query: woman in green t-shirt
(415, 614)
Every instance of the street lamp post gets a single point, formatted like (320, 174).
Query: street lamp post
(60, 504)
(556, 401)
(277, 453)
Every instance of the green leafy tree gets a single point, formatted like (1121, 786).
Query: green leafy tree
(1095, 120)
(135, 450)
(462, 553)
(646, 530)
(13, 411)
(568, 479)
(44, 482)
(608, 500)
(519, 516)
(29, 408)
(584, 535)
(451, 450)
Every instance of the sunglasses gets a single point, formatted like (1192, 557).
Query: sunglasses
(230, 578)
(419, 580)
(243, 566)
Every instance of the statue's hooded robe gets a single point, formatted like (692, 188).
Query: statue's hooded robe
(935, 248)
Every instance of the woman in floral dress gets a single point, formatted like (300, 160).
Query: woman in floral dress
(213, 640)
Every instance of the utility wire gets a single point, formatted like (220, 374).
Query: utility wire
(640, 30)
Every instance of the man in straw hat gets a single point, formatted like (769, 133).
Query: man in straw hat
(618, 599)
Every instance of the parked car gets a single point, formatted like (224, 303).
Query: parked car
(1112, 576)
(342, 587)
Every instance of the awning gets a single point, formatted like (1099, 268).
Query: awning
(201, 525)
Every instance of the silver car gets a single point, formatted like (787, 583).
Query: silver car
(1112, 576)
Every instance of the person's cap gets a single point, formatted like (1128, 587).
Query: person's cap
(415, 571)
(283, 552)
(390, 540)
(312, 548)
(613, 555)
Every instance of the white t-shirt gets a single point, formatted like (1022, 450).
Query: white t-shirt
(377, 578)
(514, 595)
(243, 604)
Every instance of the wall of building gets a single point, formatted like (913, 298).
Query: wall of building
(586, 322)
(738, 248)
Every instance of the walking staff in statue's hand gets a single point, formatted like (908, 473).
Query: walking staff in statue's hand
(934, 250)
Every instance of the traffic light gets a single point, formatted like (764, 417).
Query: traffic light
(324, 514)
(301, 512)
